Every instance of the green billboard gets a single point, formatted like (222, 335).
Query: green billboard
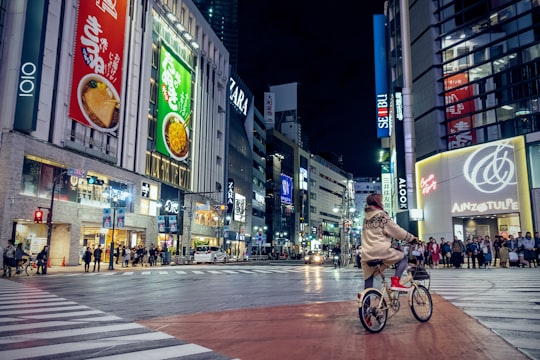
(174, 107)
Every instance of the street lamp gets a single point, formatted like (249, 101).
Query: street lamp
(258, 230)
(114, 205)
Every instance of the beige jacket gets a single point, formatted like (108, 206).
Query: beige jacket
(377, 233)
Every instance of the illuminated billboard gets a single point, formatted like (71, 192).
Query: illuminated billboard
(286, 189)
(459, 126)
(174, 107)
(381, 93)
(487, 179)
(98, 58)
(239, 207)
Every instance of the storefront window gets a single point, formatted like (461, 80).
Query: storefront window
(534, 165)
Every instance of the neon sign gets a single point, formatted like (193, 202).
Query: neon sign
(428, 184)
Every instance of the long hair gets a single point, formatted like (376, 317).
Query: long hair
(375, 200)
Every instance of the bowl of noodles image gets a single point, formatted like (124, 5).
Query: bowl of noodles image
(99, 102)
(175, 136)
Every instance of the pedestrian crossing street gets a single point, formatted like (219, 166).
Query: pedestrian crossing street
(35, 324)
(211, 270)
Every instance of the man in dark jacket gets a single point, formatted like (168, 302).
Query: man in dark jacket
(97, 257)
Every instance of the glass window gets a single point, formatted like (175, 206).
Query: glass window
(534, 164)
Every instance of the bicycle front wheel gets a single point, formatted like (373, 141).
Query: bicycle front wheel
(373, 314)
(421, 303)
(31, 269)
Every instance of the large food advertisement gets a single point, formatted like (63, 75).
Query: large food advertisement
(174, 107)
(97, 64)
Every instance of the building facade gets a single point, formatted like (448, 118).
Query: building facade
(476, 128)
(134, 100)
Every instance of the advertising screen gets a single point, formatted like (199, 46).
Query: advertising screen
(97, 64)
(174, 107)
(286, 189)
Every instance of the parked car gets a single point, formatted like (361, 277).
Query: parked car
(209, 254)
(313, 257)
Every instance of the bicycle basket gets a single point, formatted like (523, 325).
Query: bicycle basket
(419, 273)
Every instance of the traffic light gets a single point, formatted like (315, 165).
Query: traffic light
(94, 180)
(38, 216)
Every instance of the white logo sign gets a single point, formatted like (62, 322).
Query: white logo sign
(491, 168)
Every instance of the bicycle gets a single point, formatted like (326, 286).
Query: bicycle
(26, 265)
(374, 304)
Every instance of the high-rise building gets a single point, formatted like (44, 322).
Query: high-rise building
(476, 136)
(222, 15)
(113, 109)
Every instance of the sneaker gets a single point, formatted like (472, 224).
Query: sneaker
(396, 284)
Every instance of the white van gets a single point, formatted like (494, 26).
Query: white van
(209, 254)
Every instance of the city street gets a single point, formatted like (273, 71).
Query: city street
(272, 311)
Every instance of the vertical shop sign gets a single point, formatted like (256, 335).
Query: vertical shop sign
(230, 196)
(161, 223)
(459, 124)
(172, 224)
(381, 93)
(107, 222)
(120, 218)
(30, 68)
(97, 64)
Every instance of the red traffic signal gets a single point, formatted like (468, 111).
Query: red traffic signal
(38, 216)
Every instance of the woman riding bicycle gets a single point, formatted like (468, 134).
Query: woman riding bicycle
(377, 233)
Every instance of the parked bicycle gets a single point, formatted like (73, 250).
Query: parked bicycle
(374, 304)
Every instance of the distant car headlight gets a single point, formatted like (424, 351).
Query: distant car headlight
(306, 258)
(317, 258)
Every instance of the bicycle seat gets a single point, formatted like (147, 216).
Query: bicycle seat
(375, 262)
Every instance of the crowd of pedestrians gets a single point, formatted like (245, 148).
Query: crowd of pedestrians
(478, 252)
(126, 256)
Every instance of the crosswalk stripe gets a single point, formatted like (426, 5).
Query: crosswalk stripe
(67, 333)
(198, 272)
(33, 325)
(48, 304)
(164, 353)
(180, 272)
(40, 310)
(39, 351)
(69, 314)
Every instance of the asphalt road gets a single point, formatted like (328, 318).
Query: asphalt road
(243, 311)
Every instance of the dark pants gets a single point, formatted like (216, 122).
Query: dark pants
(475, 259)
(98, 263)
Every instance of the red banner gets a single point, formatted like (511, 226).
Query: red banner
(459, 130)
(97, 64)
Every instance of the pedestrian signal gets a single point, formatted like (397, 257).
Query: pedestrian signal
(38, 216)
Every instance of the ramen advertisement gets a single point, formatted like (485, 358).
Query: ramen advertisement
(174, 107)
(97, 64)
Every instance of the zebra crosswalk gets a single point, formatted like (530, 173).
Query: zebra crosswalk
(507, 301)
(210, 270)
(35, 324)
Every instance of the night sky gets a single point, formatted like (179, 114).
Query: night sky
(329, 52)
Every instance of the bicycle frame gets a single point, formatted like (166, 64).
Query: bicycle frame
(389, 296)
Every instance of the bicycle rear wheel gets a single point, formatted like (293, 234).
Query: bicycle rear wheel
(421, 303)
(372, 316)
